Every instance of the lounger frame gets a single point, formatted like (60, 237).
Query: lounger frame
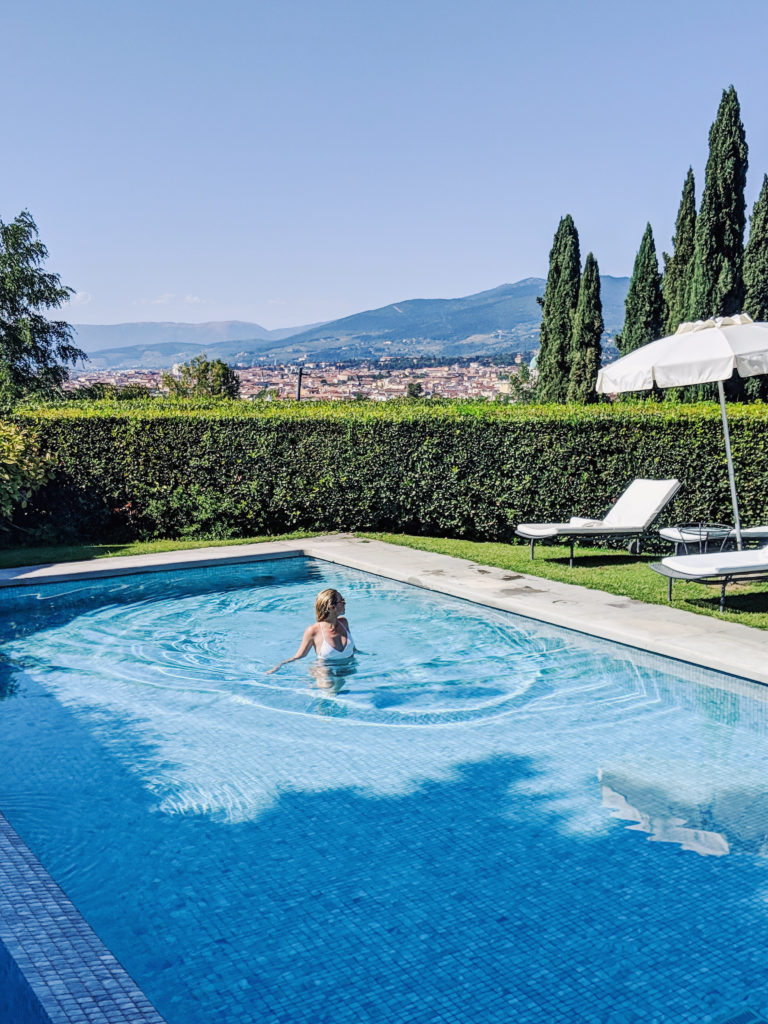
(714, 580)
(573, 537)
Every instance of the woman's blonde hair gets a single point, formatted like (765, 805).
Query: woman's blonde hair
(324, 601)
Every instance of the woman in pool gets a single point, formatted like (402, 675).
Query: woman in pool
(330, 635)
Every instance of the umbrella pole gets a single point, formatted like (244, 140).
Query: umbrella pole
(731, 479)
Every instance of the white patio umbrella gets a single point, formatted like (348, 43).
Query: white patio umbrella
(698, 353)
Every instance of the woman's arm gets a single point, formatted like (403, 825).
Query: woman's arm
(306, 645)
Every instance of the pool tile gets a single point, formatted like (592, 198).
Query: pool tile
(71, 976)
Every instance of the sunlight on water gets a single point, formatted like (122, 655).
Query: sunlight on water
(176, 668)
(478, 799)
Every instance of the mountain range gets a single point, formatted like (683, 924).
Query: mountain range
(502, 319)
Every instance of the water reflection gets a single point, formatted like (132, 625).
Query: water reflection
(731, 820)
(331, 677)
(330, 681)
(664, 828)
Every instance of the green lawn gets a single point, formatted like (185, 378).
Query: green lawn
(14, 557)
(599, 569)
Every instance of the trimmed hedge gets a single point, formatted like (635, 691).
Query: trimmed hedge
(22, 468)
(462, 469)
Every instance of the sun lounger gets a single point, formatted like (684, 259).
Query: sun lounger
(751, 533)
(719, 568)
(699, 538)
(630, 516)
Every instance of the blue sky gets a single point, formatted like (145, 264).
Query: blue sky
(287, 161)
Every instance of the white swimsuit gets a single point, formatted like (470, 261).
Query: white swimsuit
(328, 652)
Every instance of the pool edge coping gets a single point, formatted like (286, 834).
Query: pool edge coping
(730, 648)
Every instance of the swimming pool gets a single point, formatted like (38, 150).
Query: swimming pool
(461, 832)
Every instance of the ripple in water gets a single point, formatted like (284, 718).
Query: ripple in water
(426, 662)
(174, 684)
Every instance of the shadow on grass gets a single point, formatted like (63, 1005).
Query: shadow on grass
(754, 602)
(12, 558)
(582, 560)
(589, 557)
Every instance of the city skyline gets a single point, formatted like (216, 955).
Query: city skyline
(368, 379)
(287, 163)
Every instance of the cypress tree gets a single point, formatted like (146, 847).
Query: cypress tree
(588, 327)
(756, 259)
(756, 279)
(717, 287)
(676, 282)
(644, 314)
(559, 306)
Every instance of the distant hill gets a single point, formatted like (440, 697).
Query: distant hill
(502, 319)
(96, 337)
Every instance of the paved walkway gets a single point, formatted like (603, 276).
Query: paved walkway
(702, 640)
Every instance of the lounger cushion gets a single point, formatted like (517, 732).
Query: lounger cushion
(753, 533)
(720, 563)
(639, 505)
(536, 530)
(574, 525)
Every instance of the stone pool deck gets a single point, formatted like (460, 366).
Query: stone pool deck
(701, 640)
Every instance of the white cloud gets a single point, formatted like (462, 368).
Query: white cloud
(192, 299)
(161, 300)
(81, 299)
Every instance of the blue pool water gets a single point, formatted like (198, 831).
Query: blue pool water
(485, 820)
